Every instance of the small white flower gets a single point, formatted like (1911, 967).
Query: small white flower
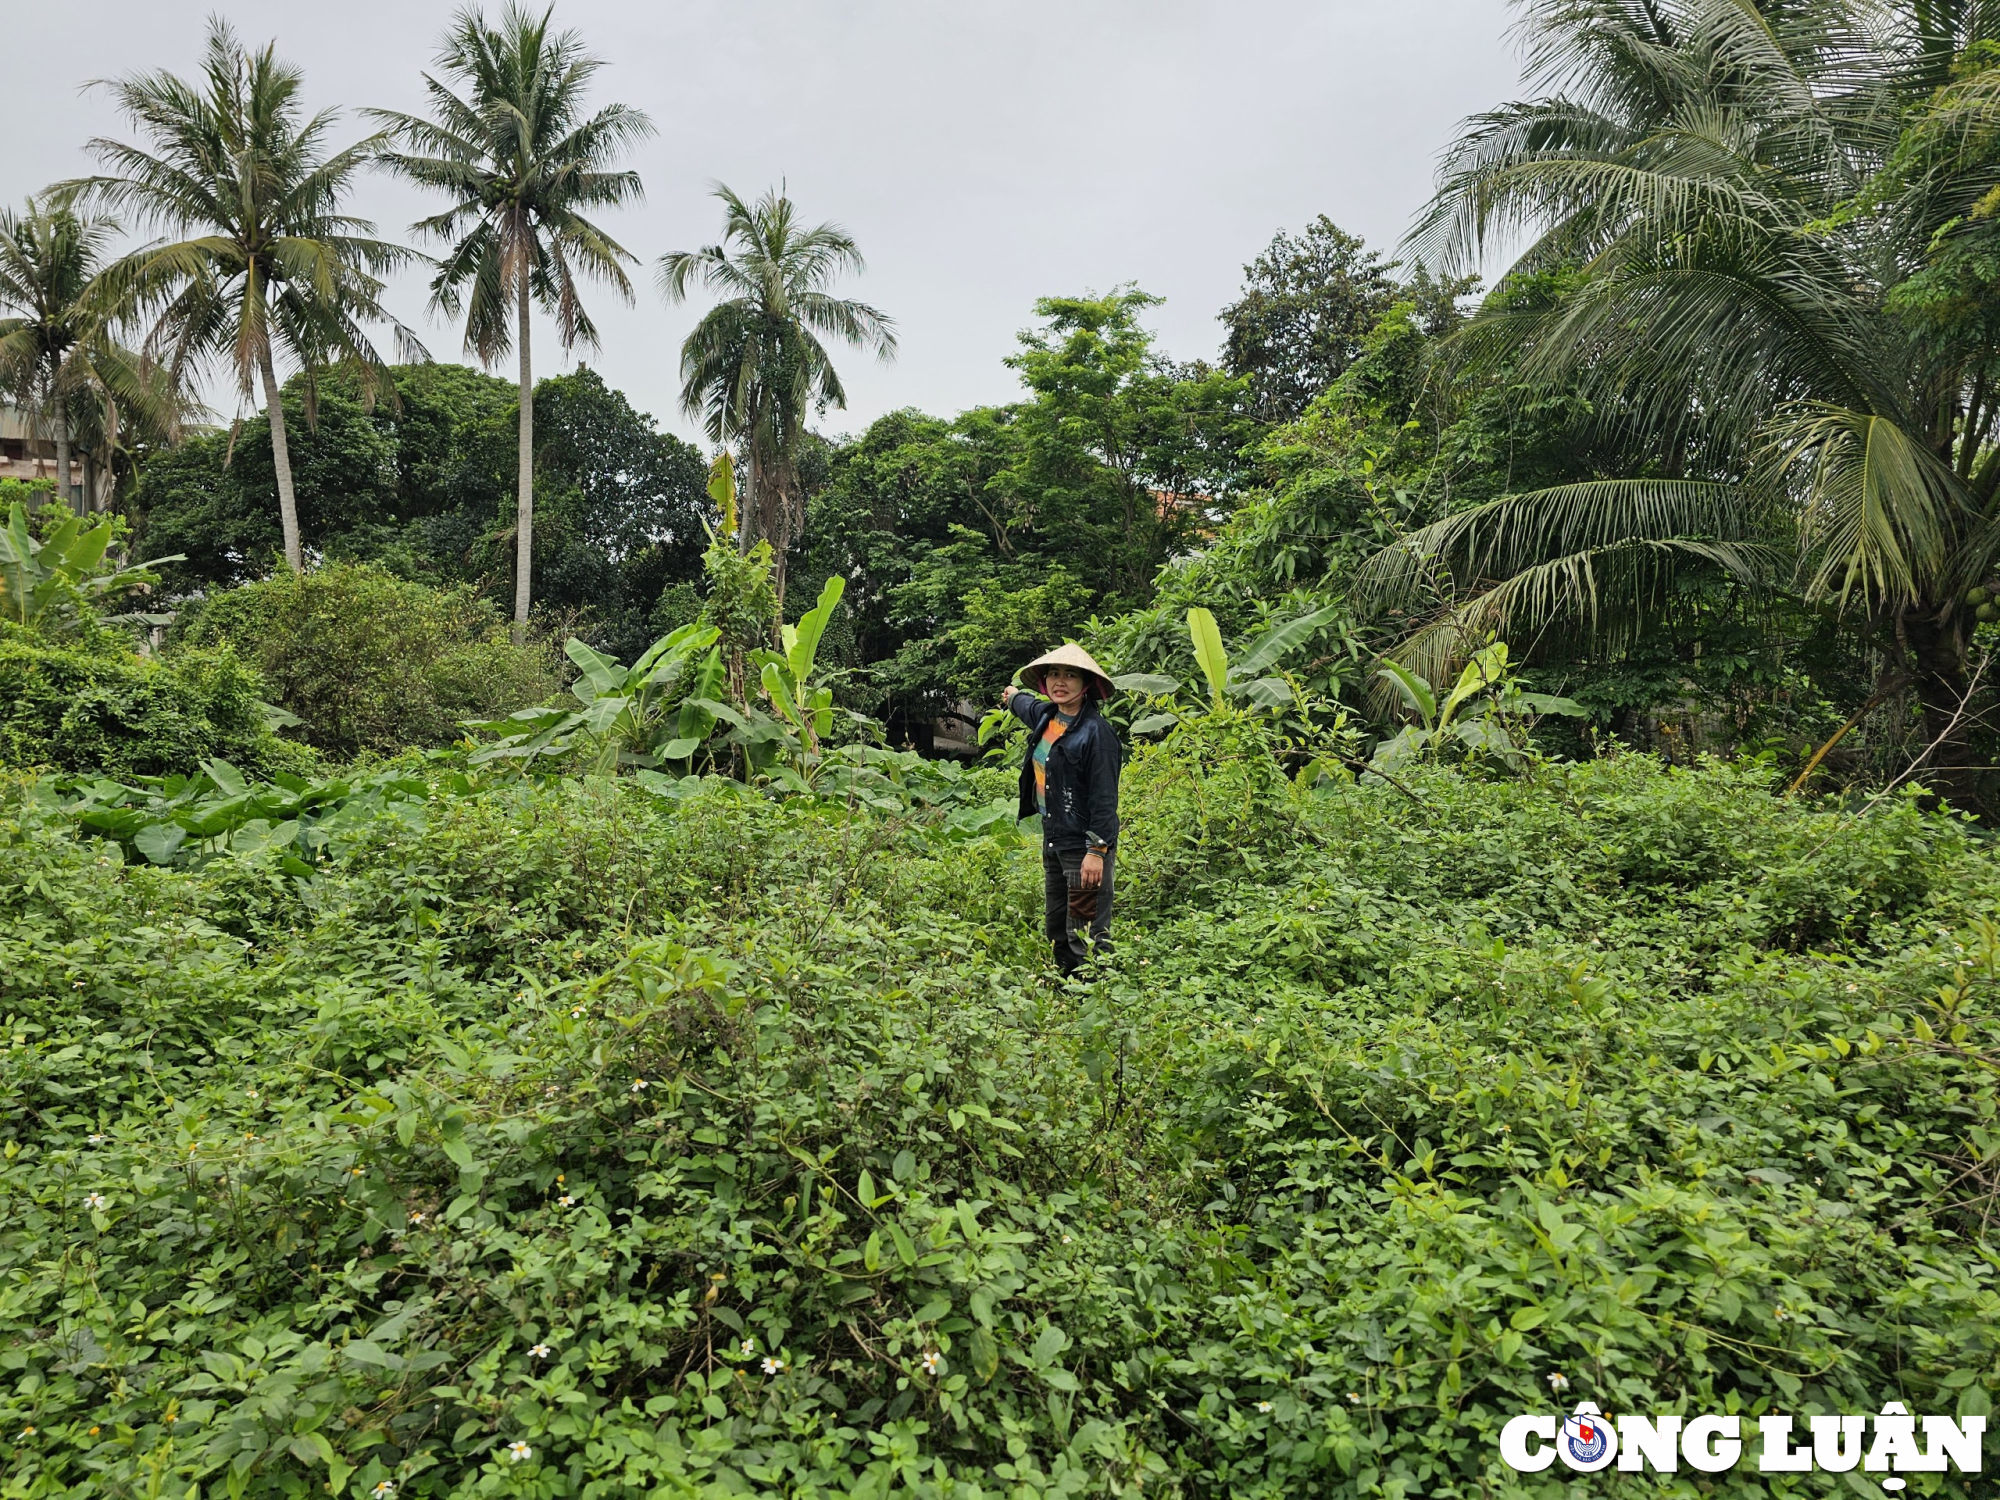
(1558, 1381)
(94, 1201)
(566, 1201)
(1065, 1239)
(1354, 1398)
(417, 1216)
(1263, 1406)
(384, 1491)
(772, 1364)
(540, 1351)
(749, 1347)
(638, 1085)
(519, 1452)
(1780, 1314)
(1852, 988)
(28, 1431)
(98, 1139)
(931, 1361)
(577, 1014)
(356, 1172)
(251, 1095)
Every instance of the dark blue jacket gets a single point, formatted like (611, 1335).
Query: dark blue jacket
(1083, 774)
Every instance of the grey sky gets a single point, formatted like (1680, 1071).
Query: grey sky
(982, 154)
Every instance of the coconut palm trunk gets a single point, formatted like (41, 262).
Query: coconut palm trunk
(281, 458)
(1943, 688)
(62, 460)
(524, 504)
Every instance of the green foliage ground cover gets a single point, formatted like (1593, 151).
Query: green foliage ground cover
(719, 1145)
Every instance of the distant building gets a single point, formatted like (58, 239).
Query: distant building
(24, 454)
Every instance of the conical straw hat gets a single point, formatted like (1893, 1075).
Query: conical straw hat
(1067, 656)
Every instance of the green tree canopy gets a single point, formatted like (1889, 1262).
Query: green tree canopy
(1306, 304)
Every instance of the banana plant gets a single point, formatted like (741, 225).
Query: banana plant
(662, 708)
(1484, 714)
(42, 579)
(1247, 683)
(804, 703)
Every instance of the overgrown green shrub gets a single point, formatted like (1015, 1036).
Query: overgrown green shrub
(93, 704)
(370, 662)
(1215, 805)
(725, 1146)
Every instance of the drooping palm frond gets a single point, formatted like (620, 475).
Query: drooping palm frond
(1881, 517)
(1720, 309)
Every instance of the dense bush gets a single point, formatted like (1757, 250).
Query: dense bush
(372, 662)
(725, 1146)
(91, 703)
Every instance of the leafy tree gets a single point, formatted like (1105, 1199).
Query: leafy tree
(522, 163)
(204, 499)
(1306, 304)
(1714, 176)
(962, 541)
(754, 368)
(268, 261)
(626, 509)
(425, 489)
(1103, 437)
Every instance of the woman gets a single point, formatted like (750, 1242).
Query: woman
(1070, 777)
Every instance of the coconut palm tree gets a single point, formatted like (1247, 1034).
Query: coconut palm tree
(512, 146)
(47, 259)
(59, 361)
(257, 258)
(1707, 263)
(754, 369)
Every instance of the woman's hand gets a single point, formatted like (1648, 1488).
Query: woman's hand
(1091, 876)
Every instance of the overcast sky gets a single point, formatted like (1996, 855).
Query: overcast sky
(982, 154)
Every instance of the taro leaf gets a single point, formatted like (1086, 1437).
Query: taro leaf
(226, 776)
(1151, 683)
(158, 841)
(1153, 723)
